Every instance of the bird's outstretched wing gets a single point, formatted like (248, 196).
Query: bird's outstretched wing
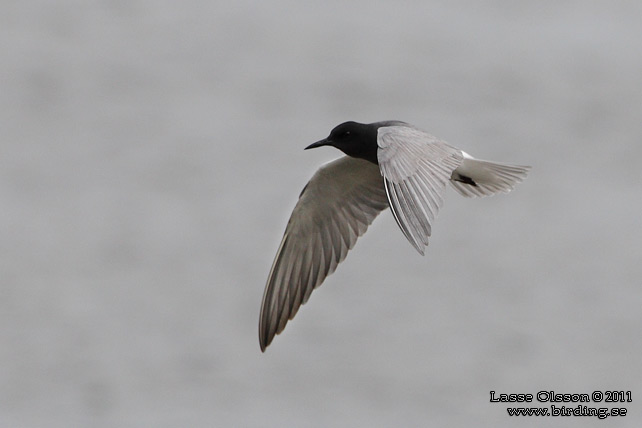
(334, 209)
(416, 168)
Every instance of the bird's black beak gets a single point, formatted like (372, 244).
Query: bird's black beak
(319, 143)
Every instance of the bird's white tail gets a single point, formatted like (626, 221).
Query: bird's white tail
(475, 177)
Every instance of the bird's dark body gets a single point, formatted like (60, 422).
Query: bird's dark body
(389, 164)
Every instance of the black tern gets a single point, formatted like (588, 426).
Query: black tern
(388, 164)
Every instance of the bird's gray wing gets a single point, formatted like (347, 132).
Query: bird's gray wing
(416, 168)
(334, 209)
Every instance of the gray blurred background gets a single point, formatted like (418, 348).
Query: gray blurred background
(151, 153)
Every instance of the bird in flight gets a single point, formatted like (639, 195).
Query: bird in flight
(388, 164)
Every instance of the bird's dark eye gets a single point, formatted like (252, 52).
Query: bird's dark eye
(346, 133)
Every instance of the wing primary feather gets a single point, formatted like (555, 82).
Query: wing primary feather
(423, 205)
(400, 217)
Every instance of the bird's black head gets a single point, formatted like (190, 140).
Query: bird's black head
(354, 139)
